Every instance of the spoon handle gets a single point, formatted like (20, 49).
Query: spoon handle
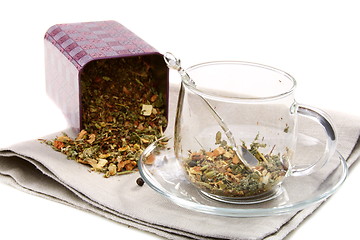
(244, 156)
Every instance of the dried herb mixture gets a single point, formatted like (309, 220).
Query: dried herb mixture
(122, 113)
(220, 172)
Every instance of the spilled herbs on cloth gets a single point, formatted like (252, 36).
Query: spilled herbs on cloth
(122, 113)
(220, 172)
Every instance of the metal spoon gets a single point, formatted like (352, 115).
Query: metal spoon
(241, 152)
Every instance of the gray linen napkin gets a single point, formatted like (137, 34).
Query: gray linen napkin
(37, 169)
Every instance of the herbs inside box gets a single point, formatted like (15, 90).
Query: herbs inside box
(123, 108)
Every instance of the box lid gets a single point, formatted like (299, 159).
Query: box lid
(87, 41)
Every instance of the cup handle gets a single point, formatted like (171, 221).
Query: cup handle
(331, 139)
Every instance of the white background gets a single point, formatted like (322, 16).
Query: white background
(317, 42)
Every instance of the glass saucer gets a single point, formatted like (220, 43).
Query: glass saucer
(165, 176)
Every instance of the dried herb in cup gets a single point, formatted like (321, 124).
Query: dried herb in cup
(122, 113)
(220, 172)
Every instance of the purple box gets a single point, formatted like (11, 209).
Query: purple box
(70, 47)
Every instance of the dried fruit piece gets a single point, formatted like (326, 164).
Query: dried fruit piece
(140, 182)
(146, 109)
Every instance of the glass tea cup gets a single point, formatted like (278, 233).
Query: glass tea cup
(257, 104)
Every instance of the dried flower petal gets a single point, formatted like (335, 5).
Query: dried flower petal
(58, 144)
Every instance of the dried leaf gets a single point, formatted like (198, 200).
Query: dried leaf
(92, 138)
(112, 169)
(81, 135)
(63, 138)
(218, 151)
(153, 98)
(235, 160)
(130, 166)
(126, 91)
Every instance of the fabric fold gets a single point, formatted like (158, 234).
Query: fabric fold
(35, 168)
